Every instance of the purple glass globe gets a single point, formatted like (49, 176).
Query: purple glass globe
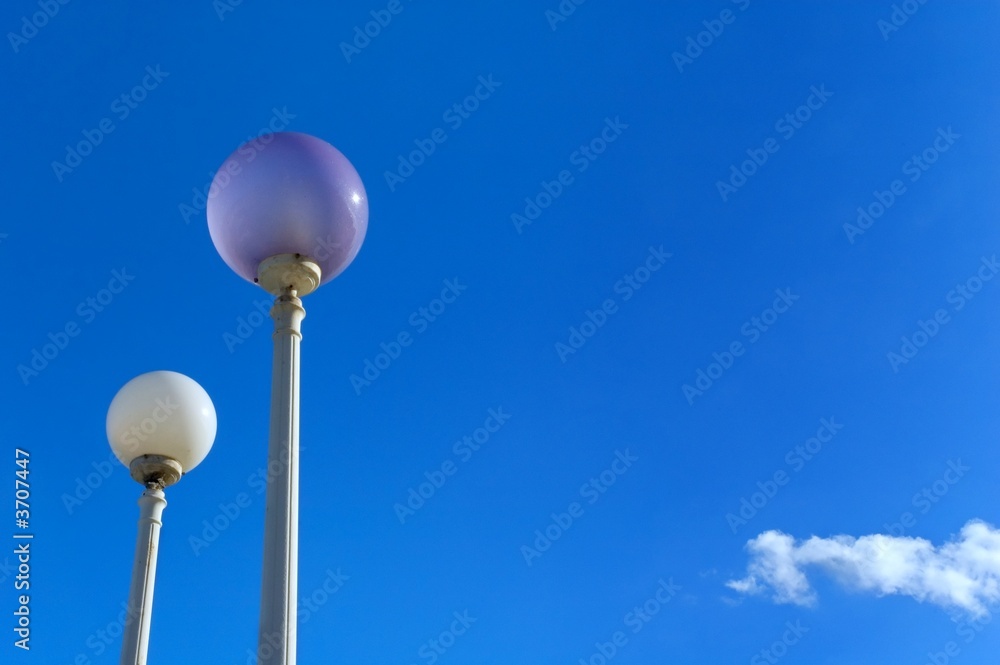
(287, 193)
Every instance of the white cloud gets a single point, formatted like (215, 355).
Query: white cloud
(963, 574)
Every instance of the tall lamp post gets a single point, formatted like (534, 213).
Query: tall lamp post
(160, 425)
(288, 216)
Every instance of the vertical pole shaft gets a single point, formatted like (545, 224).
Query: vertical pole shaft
(279, 590)
(135, 639)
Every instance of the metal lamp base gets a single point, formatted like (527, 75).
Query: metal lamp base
(282, 273)
(155, 470)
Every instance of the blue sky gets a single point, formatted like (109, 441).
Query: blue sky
(721, 284)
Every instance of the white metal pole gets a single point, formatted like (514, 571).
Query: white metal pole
(135, 639)
(279, 590)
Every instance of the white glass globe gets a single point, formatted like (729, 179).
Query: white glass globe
(162, 413)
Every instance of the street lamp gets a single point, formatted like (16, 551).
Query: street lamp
(160, 425)
(289, 214)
